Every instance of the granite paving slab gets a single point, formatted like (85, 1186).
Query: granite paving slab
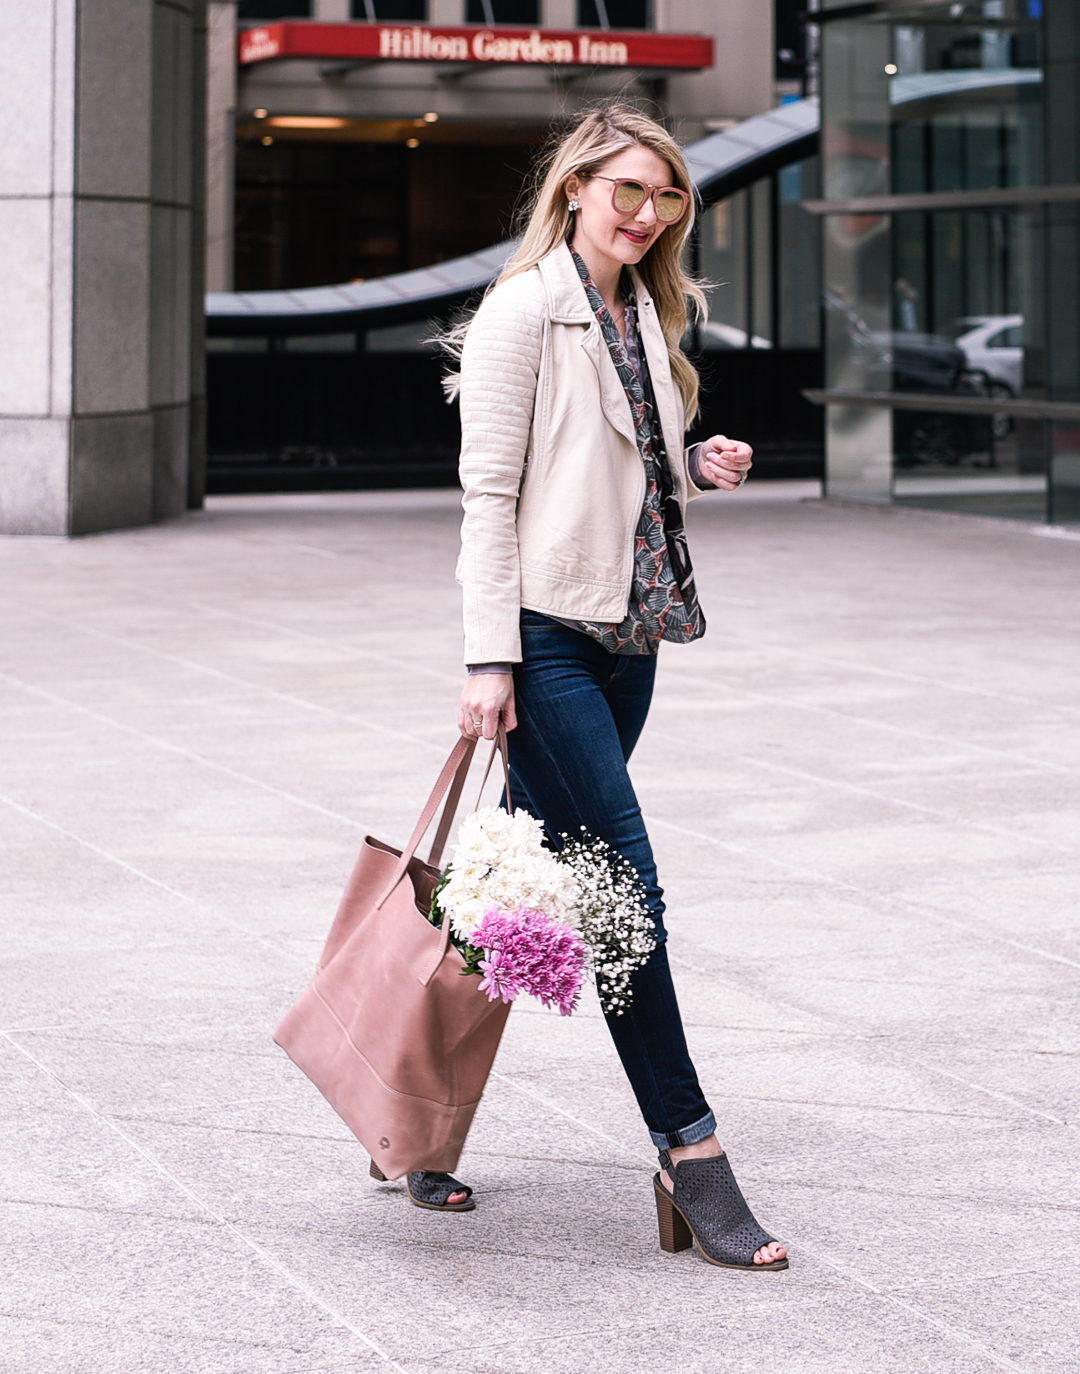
(862, 788)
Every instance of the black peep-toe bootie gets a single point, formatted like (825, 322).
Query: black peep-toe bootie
(707, 1206)
(431, 1190)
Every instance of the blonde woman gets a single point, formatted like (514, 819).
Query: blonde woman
(575, 398)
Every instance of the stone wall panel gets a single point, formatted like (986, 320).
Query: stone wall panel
(170, 288)
(114, 94)
(170, 476)
(112, 306)
(171, 150)
(34, 476)
(111, 472)
(26, 95)
(25, 274)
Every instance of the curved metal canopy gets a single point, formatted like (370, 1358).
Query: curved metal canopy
(720, 165)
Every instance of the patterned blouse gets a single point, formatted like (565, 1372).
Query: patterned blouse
(663, 598)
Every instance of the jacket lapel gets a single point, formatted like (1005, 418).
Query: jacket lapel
(613, 398)
(667, 398)
(568, 304)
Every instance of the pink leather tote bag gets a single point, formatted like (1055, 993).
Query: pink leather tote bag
(390, 1032)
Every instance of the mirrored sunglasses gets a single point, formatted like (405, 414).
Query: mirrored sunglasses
(628, 195)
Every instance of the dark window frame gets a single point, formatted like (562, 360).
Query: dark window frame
(265, 11)
(502, 12)
(591, 14)
(383, 11)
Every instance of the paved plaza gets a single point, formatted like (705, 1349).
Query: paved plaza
(863, 787)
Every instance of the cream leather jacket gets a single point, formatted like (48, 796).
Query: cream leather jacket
(553, 480)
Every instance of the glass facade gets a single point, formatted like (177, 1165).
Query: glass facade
(949, 204)
(312, 213)
(759, 350)
(760, 250)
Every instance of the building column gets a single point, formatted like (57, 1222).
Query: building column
(1061, 271)
(558, 14)
(96, 228)
(220, 144)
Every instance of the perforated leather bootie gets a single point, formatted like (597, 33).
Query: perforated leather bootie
(707, 1206)
(432, 1190)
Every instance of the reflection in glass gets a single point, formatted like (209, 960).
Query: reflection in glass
(319, 343)
(419, 337)
(725, 261)
(945, 303)
(1065, 470)
(799, 243)
(759, 233)
(859, 444)
(760, 250)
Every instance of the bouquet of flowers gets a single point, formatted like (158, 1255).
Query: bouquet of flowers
(526, 919)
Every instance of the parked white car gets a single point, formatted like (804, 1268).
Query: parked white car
(994, 344)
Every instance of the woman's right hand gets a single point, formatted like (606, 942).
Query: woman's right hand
(486, 699)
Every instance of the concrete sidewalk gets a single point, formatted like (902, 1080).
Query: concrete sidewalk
(864, 791)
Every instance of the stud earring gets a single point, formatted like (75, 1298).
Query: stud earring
(574, 205)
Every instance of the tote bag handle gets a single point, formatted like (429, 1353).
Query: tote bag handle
(454, 796)
(454, 771)
(498, 743)
(453, 777)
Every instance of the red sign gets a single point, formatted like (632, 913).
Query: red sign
(434, 43)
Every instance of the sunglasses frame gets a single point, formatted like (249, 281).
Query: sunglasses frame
(616, 182)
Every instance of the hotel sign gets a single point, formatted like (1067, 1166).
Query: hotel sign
(436, 43)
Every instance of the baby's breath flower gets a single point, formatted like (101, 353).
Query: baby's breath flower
(613, 918)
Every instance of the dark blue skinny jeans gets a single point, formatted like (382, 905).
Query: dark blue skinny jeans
(580, 711)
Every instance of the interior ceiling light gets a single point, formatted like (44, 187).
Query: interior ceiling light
(431, 118)
(267, 140)
(308, 122)
(412, 143)
(890, 68)
(260, 114)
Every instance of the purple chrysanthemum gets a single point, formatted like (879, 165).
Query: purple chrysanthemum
(500, 979)
(526, 951)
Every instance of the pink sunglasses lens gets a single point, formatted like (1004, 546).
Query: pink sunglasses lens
(628, 196)
(669, 207)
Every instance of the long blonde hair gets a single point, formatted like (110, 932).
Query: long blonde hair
(598, 135)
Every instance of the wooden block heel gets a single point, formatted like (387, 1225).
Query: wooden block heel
(675, 1235)
(377, 1173)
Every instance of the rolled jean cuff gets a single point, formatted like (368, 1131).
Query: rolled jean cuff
(689, 1135)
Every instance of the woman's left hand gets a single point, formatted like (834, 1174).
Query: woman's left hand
(725, 462)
